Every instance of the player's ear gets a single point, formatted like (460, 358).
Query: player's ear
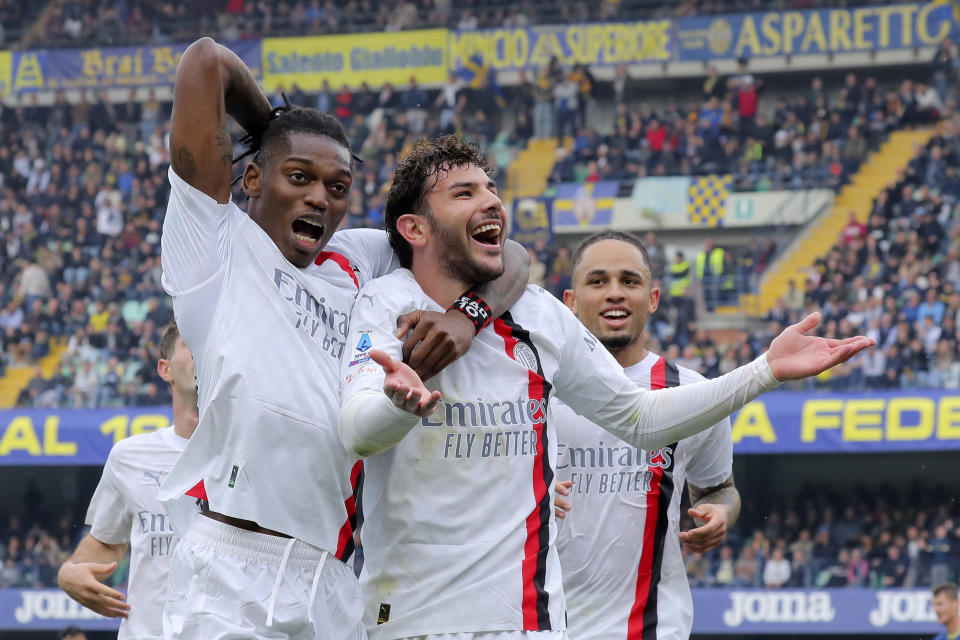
(163, 370)
(413, 229)
(570, 299)
(252, 177)
(654, 299)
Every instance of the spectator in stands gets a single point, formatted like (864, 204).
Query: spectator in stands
(776, 571)
(893, 572)
(940, 550)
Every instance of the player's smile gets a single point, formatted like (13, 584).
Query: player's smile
(615, 317)
(488, 234)
(308, 232)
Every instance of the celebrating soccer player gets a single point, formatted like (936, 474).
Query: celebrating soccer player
(265, 309)
(459, 532)
(623, 574)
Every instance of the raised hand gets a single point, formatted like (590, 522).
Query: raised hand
(404, 387)
(794, 354)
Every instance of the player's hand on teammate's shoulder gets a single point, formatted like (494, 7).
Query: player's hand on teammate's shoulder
(794, 354)
(80, 581)
(561, 506)
(404, 387)
(711, 533)
(432, 340)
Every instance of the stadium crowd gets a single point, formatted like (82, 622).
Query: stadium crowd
(106, 22)
(879, 538)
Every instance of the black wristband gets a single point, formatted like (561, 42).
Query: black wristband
(474, 308)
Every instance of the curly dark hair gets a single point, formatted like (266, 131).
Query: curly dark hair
(417, 173)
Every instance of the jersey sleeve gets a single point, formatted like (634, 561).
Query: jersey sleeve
(193, 250)
(109, 515)
(710, 461)
(593, 384)
(369, 421)
(368, 250)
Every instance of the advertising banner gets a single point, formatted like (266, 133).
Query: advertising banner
(531, 220)
(780, 33)
(72, 436)
(374, 58)
(110, 67)
(854, 422)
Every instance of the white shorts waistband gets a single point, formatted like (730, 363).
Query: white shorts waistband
(259, 547)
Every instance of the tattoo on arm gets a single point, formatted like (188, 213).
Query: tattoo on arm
(724, 494)
(184, 164)
(225, 145)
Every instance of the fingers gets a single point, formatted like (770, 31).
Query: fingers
(419, 401)
(808, 324)
(102, 569)
(563, 487)
(383, 359)
(425, 355)
(413, 338)
(406, 322)
(437, 363)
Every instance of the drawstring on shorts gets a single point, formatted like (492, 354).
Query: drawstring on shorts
(276, 584)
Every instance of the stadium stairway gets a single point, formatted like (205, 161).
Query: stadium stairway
(19, 376)
(857, 196)
(528, 173)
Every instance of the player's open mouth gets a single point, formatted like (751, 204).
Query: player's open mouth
(487, 233)
(307, 232)
(615, 318)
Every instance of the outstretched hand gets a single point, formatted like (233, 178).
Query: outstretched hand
(794, 354)
(404, 387)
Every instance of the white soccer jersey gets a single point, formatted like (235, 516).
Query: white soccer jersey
(125, 508)
(623, 574)
(266, 339)
(459, 533)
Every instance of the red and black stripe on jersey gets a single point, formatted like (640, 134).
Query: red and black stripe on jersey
(642, 624)
(536, 600)
(345, 541)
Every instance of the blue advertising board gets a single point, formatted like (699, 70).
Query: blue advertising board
(716, 611)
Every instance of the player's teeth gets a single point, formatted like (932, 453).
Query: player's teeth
(615, 314)
(485, 228)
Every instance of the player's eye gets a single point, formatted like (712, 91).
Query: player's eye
(464, 193)
(338, 189)
(299, 177)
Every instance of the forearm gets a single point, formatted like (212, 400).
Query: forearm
(504, 291)
(92, 550)
(243, 99)
(653, 420)
(370, 423)
(725, 495)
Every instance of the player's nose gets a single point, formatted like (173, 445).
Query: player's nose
(318, 197)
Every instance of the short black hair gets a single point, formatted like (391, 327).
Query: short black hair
(70, 632)
(292, 120)
(422, 165)
(168, 340)
(622, 236)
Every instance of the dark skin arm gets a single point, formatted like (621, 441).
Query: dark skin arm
(715, 509)
(212, 82)
(434, 340)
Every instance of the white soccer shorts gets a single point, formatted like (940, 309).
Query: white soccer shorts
(226, 582)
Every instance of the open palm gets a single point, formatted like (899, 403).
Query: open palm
(404, 387)
(794, 354)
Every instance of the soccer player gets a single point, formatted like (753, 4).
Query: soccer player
(263, 302)
(947, 608)
(623, 574)
(459, 532)
(124, 511)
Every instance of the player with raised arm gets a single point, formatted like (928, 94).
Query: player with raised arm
(124, 511)
(623, 575)
(459, 531)
(263, 300)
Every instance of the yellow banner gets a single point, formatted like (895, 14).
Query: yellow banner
(6, 71)
(374, 58)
